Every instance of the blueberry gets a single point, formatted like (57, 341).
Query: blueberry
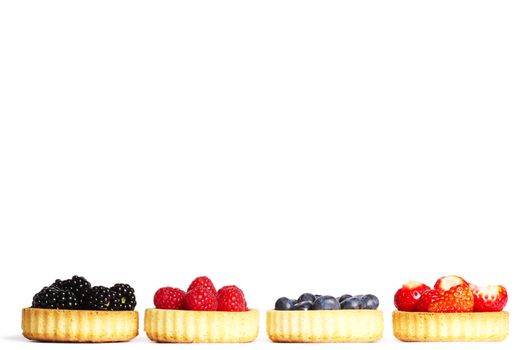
(317, 295)
(343, 297)
(284, 304)
(352, 303)
(326, 302)
(303, 305)
(370, 301)
(306, 297)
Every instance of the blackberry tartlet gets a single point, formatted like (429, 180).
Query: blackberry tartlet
(73, 311)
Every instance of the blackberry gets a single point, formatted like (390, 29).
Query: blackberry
(100, 298)
(78, 285)
(124, 297)
(54, 298)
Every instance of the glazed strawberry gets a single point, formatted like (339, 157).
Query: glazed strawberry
(427, 298)
(200, 299)
(169, 298)
(489, 298)
(231, 298)
(447, 282)
(407, 297)
(204, 282)
(457, 299)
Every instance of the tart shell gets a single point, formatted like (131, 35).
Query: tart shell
(438, 327)
(324, 326)
(182, 326)
(54, 325)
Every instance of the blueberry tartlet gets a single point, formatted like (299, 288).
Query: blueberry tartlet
(74, 311)
(323, 318)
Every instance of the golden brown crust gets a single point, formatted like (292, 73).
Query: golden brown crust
(435, 327)
(180, 326)
(79, 325)
(324, 326)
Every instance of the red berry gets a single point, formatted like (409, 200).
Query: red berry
(447, 282)
(457, 299)
(489, 298)
(407, 297)
(169, 298)
(231, 298)
(200, 299)
(204, 282)
(426, 299)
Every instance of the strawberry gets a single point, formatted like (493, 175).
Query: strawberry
(427, 298)
(456, 299)
(447, 282)
(169, 298)
(200, 298)
(406, 297)
(489, 298)
(231, 298)
(204, 282)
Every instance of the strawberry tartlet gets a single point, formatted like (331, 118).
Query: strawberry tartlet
(454, 310)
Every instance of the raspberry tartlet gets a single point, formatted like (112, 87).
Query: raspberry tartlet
(201, 315)
(73, 311)
(454, 310)
(315, 318)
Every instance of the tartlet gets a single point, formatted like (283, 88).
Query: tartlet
(183, 326)
(445, 327)
(324, 326)
(94, 326)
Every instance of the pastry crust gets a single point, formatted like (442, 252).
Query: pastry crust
(56, 325)
(324, 326)
(436, 327)
(181, 326)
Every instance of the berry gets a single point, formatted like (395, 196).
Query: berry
(204, 282)
(447, 282)
(231, 298)
(54, 298)
(200, 298)
(100, 298)
(306, 297)
(426, 299)
(407, 297)
(353, 303)
(124, 297)
(284, 303)
(169, 298)
(370, 302)
(303, 305)
(343, 297)
(326, 302)
(489, 298)
(76, 284)
(457, 299)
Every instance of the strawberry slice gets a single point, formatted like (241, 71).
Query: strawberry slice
(489, 298)
(447, 282)
(456, 299)
(407, 297)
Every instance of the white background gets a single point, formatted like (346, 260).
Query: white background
(283, 146)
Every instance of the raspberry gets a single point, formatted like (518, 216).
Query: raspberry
(200, 299)
(231, 298)
(204, 282)
(169, 298)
